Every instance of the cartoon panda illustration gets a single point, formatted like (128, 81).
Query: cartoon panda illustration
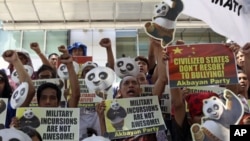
(163, 25)
(100, 78)
(19, 95)
(12, 134)
(15, 76)
(2, 106)
(62, 70)
(29, 119)
(218, 117)
(116, 115)
(126, 66)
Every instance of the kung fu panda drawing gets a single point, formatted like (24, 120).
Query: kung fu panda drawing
(29, 119)
(116, 115)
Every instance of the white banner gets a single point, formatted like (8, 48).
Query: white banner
(230, 18)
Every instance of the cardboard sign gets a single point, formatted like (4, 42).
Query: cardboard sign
(59, 82)
(165, 101)
(53, 124)
(200, 65)
(3, 110)
(133, 116)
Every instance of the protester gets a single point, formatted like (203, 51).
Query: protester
(11, 56)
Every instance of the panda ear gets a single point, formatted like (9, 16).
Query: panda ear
(205, 102)
(163, 2)
(156, 6)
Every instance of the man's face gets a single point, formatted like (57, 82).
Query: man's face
(53, 60)
(23, 59)
(143, 66)
(141, 77)
(48, 98)
(129, 87)
(243, 82)
(77, 52)
(240, 59)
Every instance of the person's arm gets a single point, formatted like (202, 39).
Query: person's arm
(105, 42)
(151, 54)
(161, 70)
(100, 107)
(178, 104)
(246, 51)
(12, 57)
(35, 46)
(67, 59)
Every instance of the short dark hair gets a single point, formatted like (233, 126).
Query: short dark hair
(31, 132)
(7, 90)
(52, 54)
(142, 58)
(46, 67)
(48, 85)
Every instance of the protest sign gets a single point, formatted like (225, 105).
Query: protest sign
(59, 82)
(3, 111)
(88, 98)
(53, 124)
(133, 116)
(165, 101)
(200, 65)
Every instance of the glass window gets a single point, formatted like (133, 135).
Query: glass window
(32, 36)
(126, 43)
(54, 40)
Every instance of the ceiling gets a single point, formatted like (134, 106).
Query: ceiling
(78, 14)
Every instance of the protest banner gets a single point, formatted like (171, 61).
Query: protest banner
(53, 124)
(3, 111)
(59, 82)
(200, 65)
(229, 18)
(133, 116)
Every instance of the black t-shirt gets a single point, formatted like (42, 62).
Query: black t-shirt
(181, 133)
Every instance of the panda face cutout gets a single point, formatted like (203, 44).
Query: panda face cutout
(62, 70)
(99, 78)
(19, 95)
(12, 134)
(28, 114)
(115, 105)
(2, 105)
(15, 77)
(126, 66)
(161, 9)
(213, 108)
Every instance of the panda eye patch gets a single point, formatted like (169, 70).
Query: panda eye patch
(163, 8)
(15, 94)
(62, 68)
(15, 73)
(209, 110)
(120, 63)
(216, 107)
(130, 67)
(158, 11)
(91, 76)
(14, 139)
(103, 75)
